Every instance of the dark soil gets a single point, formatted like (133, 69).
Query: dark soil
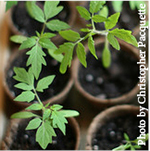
(52, 68)
(25, 140)
(27, 25)
(110, 82)
(111, 134)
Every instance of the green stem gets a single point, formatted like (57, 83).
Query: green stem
(93, 23)
(38, 99)
(43, 29)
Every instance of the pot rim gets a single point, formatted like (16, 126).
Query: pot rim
(104, 116)
(58, 98)
(13, 125)
(124, 98)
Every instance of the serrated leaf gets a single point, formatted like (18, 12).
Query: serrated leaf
(46, 114)
(81, 54)
(44, 134)
(26, 96)
(59, 120)
(66, 48)
(34, 124)
(47, 44)
(10, 4)
(44, 83)
(35, 12)
(95, 6)
(58, 57)
(104, 12)
(56, 107)
(83, 12)
(92, 47)
(117, 5)
(30, 42)
(20, 115)
(69, 113)
(99, 18)
(23, 76)
(35, 107)
(113, 41)
(48, 35)
(124, 35)
(57, 25)
(70, 35)
(36, 60)
(18, 39)
(51, 9)
(106, 57)
(23, 86)
(112, 21)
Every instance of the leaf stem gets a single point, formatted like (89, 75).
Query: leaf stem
(93, 23)
(38, 99)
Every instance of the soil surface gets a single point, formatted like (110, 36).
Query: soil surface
(52, 68)
(118, 79)
(27, 25)
(25, 140)
(111, 134)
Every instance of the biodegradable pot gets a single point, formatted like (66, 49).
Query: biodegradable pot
(105, 87)
(56, 92)
(21, 23)
(17, 138)
(107, 128)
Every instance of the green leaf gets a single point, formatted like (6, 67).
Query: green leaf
(18, 39)
(51, 9)
(57, 25)
(81, 54)
(47, 104)
(30, 42)
(88, 25)
(69, 113)
(99, 18)
(112, 21)
(48, 35)
(44, 83)
(59, 120)
(117, 5)
(35, 12)
(10, 4)
(34, 124)
(46, 114)
(23, 76)
(126, 137)
(121, 147)
(104, 12)
(44, 134)
(46, 43)
(83, 12)
(137, 146)
(26, 96)
(85, 29)
(58, 57)
(113, 41)
(23, 86)
(125, 35)
(35, 107)
(95, 6)
(106, 57)
(36, 59)
(70, 35)
(21, 115)
(56, 107)
(92, 47)
(66, 48)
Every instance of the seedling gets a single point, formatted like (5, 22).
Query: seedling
(52, 116)
(130, 144)
(96, 14)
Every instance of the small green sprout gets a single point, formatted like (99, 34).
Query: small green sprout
(130, 144)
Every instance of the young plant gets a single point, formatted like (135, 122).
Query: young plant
(52, 116)
(130, 144)
(96, 14)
